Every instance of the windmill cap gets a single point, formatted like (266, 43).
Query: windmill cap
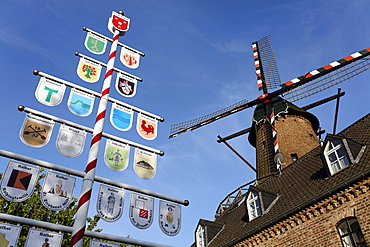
(282, 108)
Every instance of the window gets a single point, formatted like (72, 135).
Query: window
(253, 205)
(294, 157)
(350, 233)
(200, 237)
(336, 156)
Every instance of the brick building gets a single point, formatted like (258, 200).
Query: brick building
(314, 193)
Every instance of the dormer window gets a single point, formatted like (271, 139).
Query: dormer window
(254, 205)
(339, 153)
(200, 237)
(336, 156)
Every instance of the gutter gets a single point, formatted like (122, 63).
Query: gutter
(296, 209)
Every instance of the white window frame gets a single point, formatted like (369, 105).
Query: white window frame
(200, 237)
(253, 205)
(333, 149)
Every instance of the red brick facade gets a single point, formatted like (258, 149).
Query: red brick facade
(316, 226)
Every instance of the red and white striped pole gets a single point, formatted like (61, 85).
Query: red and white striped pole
(88, 180)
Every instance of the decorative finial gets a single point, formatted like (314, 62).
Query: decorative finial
(35, 72)
(21, 108)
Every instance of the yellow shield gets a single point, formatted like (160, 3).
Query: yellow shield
(88, 71)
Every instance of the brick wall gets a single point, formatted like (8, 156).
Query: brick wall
(295, 136)
(316, 226)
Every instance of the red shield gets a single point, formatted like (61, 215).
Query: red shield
(120, 22)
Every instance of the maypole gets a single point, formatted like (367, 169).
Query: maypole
(88, 180)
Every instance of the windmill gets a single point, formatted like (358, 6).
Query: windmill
(270, 105)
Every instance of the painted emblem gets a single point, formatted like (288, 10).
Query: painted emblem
(9, 234)
(88, 70)
(36, 131)
(116, 155)
(121, 117)
(49, 92)
(169, 218)
(95, 43)
(120, 22)
(70, 141)
(57, 191)
(110, 203)
(96, 243)
(126, 86)
(80, 103)
(146, 126)
(18, 181)
(129, 58)
(145, 163)
(40, 238)
(141, 210)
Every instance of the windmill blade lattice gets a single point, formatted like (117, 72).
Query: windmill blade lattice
(329, 80)
(265, 63)
(179, 128)
(347, 66)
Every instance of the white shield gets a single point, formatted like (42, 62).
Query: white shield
(96, 243)
(141, 210)
(40, 238)
(9, 234)
(49, 92)
(57, 191)
(110, 203)
(18, 181)
(129, 58)
(145, 163)
(70, 141)
(169, 218)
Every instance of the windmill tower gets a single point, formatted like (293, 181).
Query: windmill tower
(281, 132)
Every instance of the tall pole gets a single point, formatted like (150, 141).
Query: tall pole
(88, 180)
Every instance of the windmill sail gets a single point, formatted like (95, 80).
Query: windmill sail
(265, 63)
(348, 66)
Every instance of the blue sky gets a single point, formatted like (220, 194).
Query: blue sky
(198, 60)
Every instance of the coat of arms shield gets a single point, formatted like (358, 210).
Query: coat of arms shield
(120, 22)
(57, 191)
(146, 126)
(95, 43)
(129, 58)
(36, 131)
(121, 117)
(126, 86)
(18, 181)
(88, 70)
(80, 103)
(141, 210)
(49, 92)
(116, 155)
(70, 141)
(145, 164)
(110, 203)
(169, 218)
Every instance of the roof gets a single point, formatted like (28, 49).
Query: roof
(299, 185)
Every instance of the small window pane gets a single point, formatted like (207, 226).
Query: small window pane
(350, 233)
